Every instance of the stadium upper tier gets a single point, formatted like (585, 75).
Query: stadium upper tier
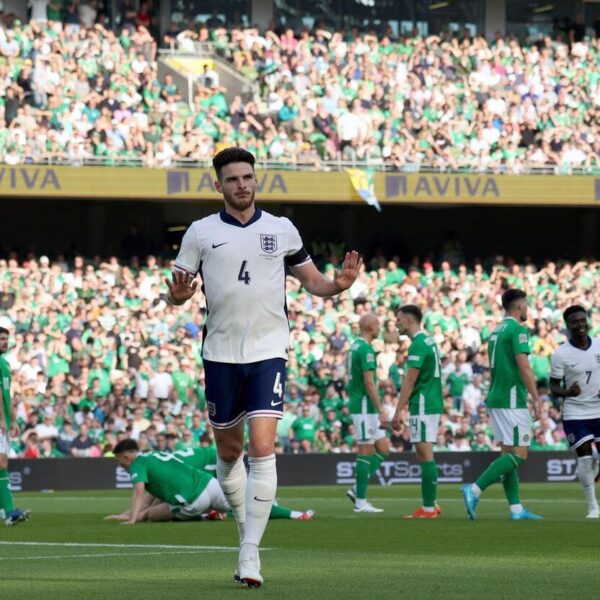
(95, 348)
(326, 99)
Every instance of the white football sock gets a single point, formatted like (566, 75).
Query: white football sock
(233, 481)
(476, 490)
(516, 508)
(296, 514)
(260, 493)
(585, 472)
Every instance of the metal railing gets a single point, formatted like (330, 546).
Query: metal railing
(321, 166)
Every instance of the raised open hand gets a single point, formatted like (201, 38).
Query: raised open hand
(183, 286)
(349, 271)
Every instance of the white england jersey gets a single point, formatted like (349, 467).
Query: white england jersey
(243, 278)
(582, 367)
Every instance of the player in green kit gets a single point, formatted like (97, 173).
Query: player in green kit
(369, 419)
(204, 460)
(422, 390)
(512, 378)
(8, 513)
(188, 492)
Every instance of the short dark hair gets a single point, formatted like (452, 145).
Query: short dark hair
(4, 330)
(413, 310)
(574, 308)
(232, 155)
(511, 296)
(126, 445)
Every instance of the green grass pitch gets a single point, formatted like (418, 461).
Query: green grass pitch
(66, 551)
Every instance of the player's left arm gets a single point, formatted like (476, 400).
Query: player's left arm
(408, 385)
(316, 283)
(137, 503)
(520, 346)
(369, 382)
(529, 381)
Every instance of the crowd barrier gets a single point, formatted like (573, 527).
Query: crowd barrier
(307, 469)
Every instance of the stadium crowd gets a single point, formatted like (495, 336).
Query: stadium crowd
(98, 355)
(72, 90)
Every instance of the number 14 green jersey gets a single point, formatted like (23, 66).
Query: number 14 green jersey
(426, 397)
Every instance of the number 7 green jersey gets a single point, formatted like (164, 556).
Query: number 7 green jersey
(507, 340)
(426, 397)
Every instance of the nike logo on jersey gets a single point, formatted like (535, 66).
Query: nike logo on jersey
(230, 493)
(573, 366)
(217, 245)
(260, 499)
(276, 403)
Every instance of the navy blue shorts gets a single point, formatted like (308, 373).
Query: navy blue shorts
(250, 390)
(579, 431)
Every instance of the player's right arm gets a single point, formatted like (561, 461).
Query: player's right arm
(184, 283)
(557, 389)
(557, 373)
(137, 503)
(408, 385)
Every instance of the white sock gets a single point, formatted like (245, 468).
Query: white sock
(476, 490)
(233, 481)
(260, 493)
(429, 508)
(585, 472)
(360, 502)
(296, 514)
(516, 508)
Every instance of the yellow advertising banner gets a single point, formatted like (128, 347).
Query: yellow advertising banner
(298, 186)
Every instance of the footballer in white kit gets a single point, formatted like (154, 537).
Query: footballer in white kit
(242, 267)
(241, 255)
(575, 377)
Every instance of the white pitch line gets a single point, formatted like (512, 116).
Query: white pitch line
(102, 555)
(148, 546)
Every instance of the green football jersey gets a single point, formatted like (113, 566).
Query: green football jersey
(168, 478)
(507, 389)
(304, 428)
(201, 459)
(5, 377)
(361, 358)
(426, 398)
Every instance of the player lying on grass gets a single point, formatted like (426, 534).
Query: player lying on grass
(159, 477)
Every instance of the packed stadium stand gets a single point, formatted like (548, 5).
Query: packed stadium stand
(76, 94)
(97, 353)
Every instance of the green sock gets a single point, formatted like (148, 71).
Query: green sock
(280, 512)
(510, 482)
(375, 460)
(504, 465)
(363, 465)
(6, 497)
(429, 476)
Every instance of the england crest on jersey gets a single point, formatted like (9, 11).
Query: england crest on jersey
(268, 242)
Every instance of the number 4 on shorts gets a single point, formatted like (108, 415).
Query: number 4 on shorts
(278, 386)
